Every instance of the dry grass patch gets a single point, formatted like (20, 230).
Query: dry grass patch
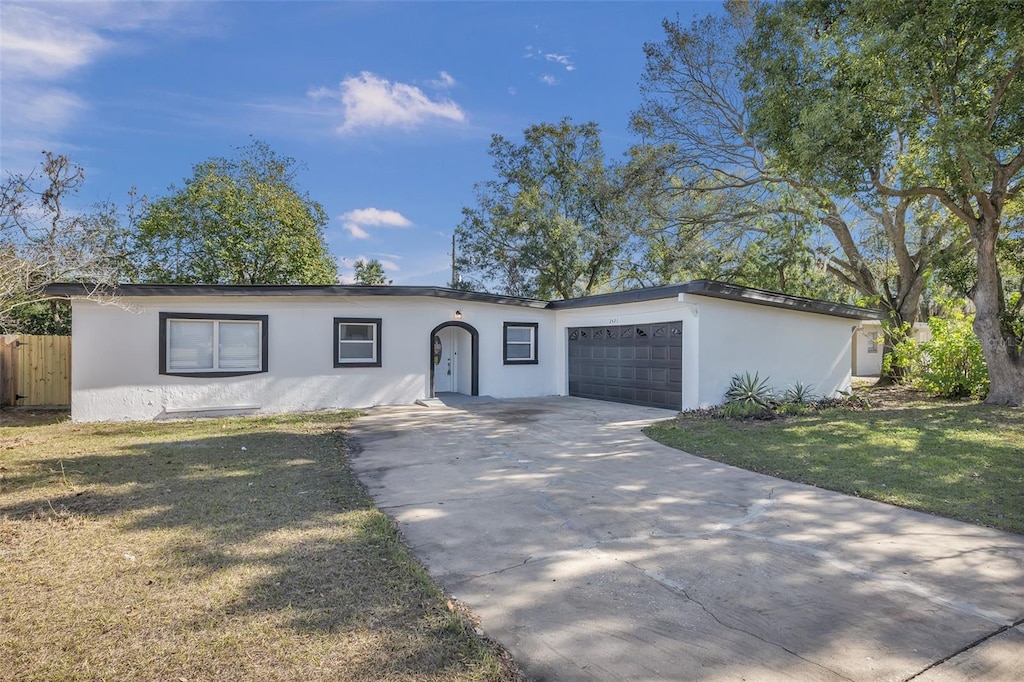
(216, 549)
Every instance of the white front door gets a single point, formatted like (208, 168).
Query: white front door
(445, 380)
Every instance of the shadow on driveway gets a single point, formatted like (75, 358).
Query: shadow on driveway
(594, 553)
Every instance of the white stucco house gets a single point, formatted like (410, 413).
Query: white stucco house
(160, 351)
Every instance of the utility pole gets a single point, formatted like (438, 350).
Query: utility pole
(454, 282)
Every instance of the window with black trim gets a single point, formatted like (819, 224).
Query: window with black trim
(357, 342)
(212, 345)
(520, 343)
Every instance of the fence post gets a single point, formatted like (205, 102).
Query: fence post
(8, 353)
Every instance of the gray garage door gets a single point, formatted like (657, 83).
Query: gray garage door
(639, 364)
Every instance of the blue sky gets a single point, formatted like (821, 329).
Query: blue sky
(390, 106)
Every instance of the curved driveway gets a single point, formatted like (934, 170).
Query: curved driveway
(594, 553)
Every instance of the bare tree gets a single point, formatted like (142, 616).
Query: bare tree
(43, 240)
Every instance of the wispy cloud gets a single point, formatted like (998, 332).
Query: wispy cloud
(369, 101)
(38, 44)
(357, 221)
(445, 82)
(562, 59)
(44, 46)
(547, 79)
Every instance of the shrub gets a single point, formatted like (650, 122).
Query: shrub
(902, 360)
(845, 401)
(952, 364)
(744, 410)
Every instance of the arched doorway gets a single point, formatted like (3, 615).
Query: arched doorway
(454, 349)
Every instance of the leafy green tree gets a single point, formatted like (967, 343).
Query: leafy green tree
(558, 220)
(239, 220)
(762, 224)
(43, 240)
(370, 273)
(910, 99)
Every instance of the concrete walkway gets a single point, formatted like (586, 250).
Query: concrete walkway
(593, 553)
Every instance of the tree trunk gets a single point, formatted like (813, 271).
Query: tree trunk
(1005, 367)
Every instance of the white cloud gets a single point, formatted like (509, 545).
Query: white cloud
(445, 82)
(369, 101)
(377, 217)
(38, 44)
(562, 59)
(39, 49)
(30, 108)
(356, 231)
(548, 79)
(357, 220)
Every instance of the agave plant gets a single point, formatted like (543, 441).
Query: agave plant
(799, 393)
(747, 389)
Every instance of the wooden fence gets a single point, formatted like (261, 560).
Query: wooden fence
(35, 370)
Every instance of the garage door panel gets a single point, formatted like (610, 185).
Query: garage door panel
(637, 364)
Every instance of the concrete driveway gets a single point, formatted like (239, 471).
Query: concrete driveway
(593, 553)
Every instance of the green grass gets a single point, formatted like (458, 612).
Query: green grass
(956, 459)
(228, 549)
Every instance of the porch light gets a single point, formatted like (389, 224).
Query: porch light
(458, 314)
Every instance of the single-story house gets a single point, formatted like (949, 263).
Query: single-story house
(145, 352)
(868, 343)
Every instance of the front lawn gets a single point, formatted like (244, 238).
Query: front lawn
(963, 460)
(229, 549)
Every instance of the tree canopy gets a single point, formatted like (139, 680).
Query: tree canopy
(760, 223)
(238, 220)
(909, 99)
(556, 222)
(370, 273)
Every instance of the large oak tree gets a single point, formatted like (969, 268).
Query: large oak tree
(852, 94)
(782, 229)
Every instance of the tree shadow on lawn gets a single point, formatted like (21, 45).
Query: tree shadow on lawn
(264, 527)
(961, 460)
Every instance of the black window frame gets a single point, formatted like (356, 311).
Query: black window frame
(264, 320)
(534, 345)
(377, 322)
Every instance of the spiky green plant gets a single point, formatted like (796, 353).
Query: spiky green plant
(799, 393)
(750, 389)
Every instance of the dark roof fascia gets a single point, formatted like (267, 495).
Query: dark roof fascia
(732, 292)
(72, 290)
(615, 298)
(700, 287)
(772, 299)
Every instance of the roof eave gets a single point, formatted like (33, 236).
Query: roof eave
(74, 290)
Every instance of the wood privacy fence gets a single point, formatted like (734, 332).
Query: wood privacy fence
(35, 370)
